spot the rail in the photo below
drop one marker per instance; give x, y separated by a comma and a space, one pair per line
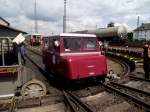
128, 96
75, 103
130, 88
139, 78
124, 65
12, 105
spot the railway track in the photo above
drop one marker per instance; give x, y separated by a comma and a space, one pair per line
135, 56
75, 104
139, 78
72, 100
113, 89
137, 97
124, 65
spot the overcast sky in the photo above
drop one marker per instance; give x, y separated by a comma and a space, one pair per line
81, 14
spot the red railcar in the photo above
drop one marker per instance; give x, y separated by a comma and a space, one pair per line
74, 56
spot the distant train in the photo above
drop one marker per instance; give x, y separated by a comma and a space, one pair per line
117, 31
109, 33
34, 39
74, 56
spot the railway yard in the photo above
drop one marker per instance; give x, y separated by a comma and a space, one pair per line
74, 56
125, 90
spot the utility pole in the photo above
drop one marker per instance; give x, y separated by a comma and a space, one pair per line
64, 17
138, 27
35, 17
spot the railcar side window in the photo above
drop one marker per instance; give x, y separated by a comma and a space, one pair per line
89, 43
72, 44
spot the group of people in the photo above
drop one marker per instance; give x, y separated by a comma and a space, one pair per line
146, 60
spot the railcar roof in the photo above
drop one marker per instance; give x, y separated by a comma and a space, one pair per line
77, 35
34, 34
72, 35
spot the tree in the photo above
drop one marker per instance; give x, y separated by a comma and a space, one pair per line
130, 36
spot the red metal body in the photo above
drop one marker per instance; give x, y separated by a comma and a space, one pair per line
74, 56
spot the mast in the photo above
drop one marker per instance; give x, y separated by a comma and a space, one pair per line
35, 18
138, 27
64, 17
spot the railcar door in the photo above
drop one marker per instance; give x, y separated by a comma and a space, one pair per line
56, 55
52, 55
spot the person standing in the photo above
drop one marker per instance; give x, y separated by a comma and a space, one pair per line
146, 60
22, 51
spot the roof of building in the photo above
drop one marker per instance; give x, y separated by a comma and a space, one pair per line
10, 28
5, 21
144, 26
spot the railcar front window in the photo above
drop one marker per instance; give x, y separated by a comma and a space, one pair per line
89, 43
72, 44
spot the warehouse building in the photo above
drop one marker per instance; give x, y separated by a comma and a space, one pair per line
142, 32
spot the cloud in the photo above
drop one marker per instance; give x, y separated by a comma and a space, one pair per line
81, 14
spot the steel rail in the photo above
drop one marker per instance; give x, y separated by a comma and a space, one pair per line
123, 64
130, 88
12, 105
127, 96
69, 102
71, 98
139, 78
126, 51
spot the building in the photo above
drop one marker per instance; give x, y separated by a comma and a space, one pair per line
142, 32
7, 31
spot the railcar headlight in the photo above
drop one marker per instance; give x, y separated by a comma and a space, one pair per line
70, 60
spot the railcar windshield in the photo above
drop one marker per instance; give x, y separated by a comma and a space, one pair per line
89, 43
75, 44
72, 44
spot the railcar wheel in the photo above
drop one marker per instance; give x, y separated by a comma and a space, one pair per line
103, 79
100, 79
46, 69
33, 88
